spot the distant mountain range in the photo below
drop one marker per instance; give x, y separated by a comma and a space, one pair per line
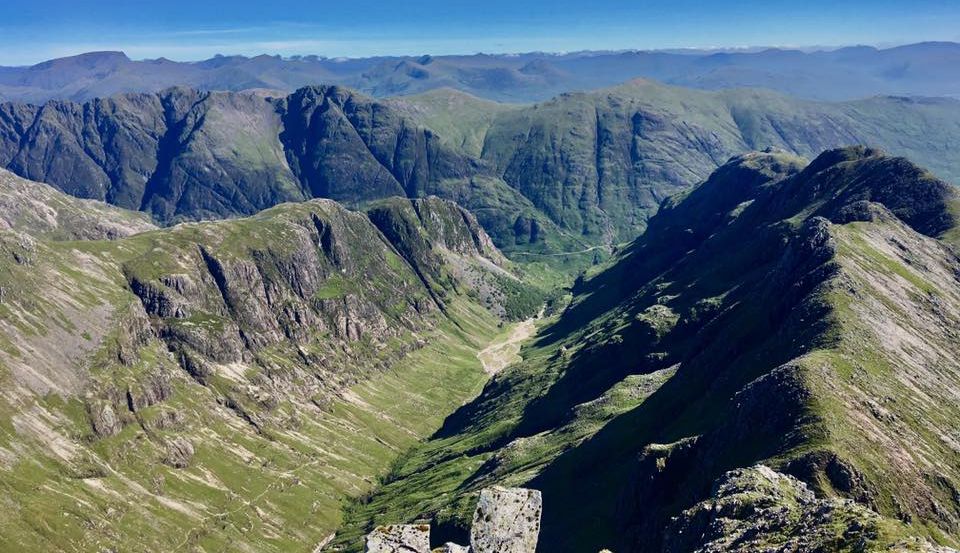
924, 69
578, 171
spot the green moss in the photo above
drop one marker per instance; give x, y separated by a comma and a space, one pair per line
333, 287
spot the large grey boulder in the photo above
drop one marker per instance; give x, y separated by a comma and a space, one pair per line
399, 538
507, 520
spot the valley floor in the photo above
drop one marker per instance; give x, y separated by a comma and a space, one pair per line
505, 351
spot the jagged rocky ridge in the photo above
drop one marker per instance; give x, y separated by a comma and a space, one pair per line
229, 382
580, 170
800, 315
183, 154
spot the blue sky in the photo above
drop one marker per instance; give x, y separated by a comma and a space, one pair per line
34, 30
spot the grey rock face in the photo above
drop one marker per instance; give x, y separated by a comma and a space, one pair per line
399, 538
179, 453
103, 418
755, 506
507, 520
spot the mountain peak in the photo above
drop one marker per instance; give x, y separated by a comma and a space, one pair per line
832, 157
88, 60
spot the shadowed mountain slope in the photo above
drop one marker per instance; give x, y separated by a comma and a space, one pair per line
797, 315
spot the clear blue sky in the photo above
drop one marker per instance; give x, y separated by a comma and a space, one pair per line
34, 30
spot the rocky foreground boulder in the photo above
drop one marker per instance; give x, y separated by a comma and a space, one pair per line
507, 520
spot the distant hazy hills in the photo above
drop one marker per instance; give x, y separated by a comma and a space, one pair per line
925, 69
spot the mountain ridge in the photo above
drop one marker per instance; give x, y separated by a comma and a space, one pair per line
230, 383
581, 170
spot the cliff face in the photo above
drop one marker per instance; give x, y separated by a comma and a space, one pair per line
182, 154
580, 170
796, 315
599, 163
253, 372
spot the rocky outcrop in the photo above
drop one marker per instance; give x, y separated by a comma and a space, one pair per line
179, 453
758, 508
399, 538
506, 520
103, 418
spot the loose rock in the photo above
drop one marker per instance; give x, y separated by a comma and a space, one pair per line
179, 453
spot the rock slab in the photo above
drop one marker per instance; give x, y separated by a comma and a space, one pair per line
399, 538
507, 520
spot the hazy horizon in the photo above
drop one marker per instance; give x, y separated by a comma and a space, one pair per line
179, 30
691, 51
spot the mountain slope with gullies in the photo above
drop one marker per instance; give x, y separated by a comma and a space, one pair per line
230, 384
580, 171
182, 154
599, 163
772, 365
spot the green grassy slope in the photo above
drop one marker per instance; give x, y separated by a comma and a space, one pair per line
461, 120
227, 386
598, 163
